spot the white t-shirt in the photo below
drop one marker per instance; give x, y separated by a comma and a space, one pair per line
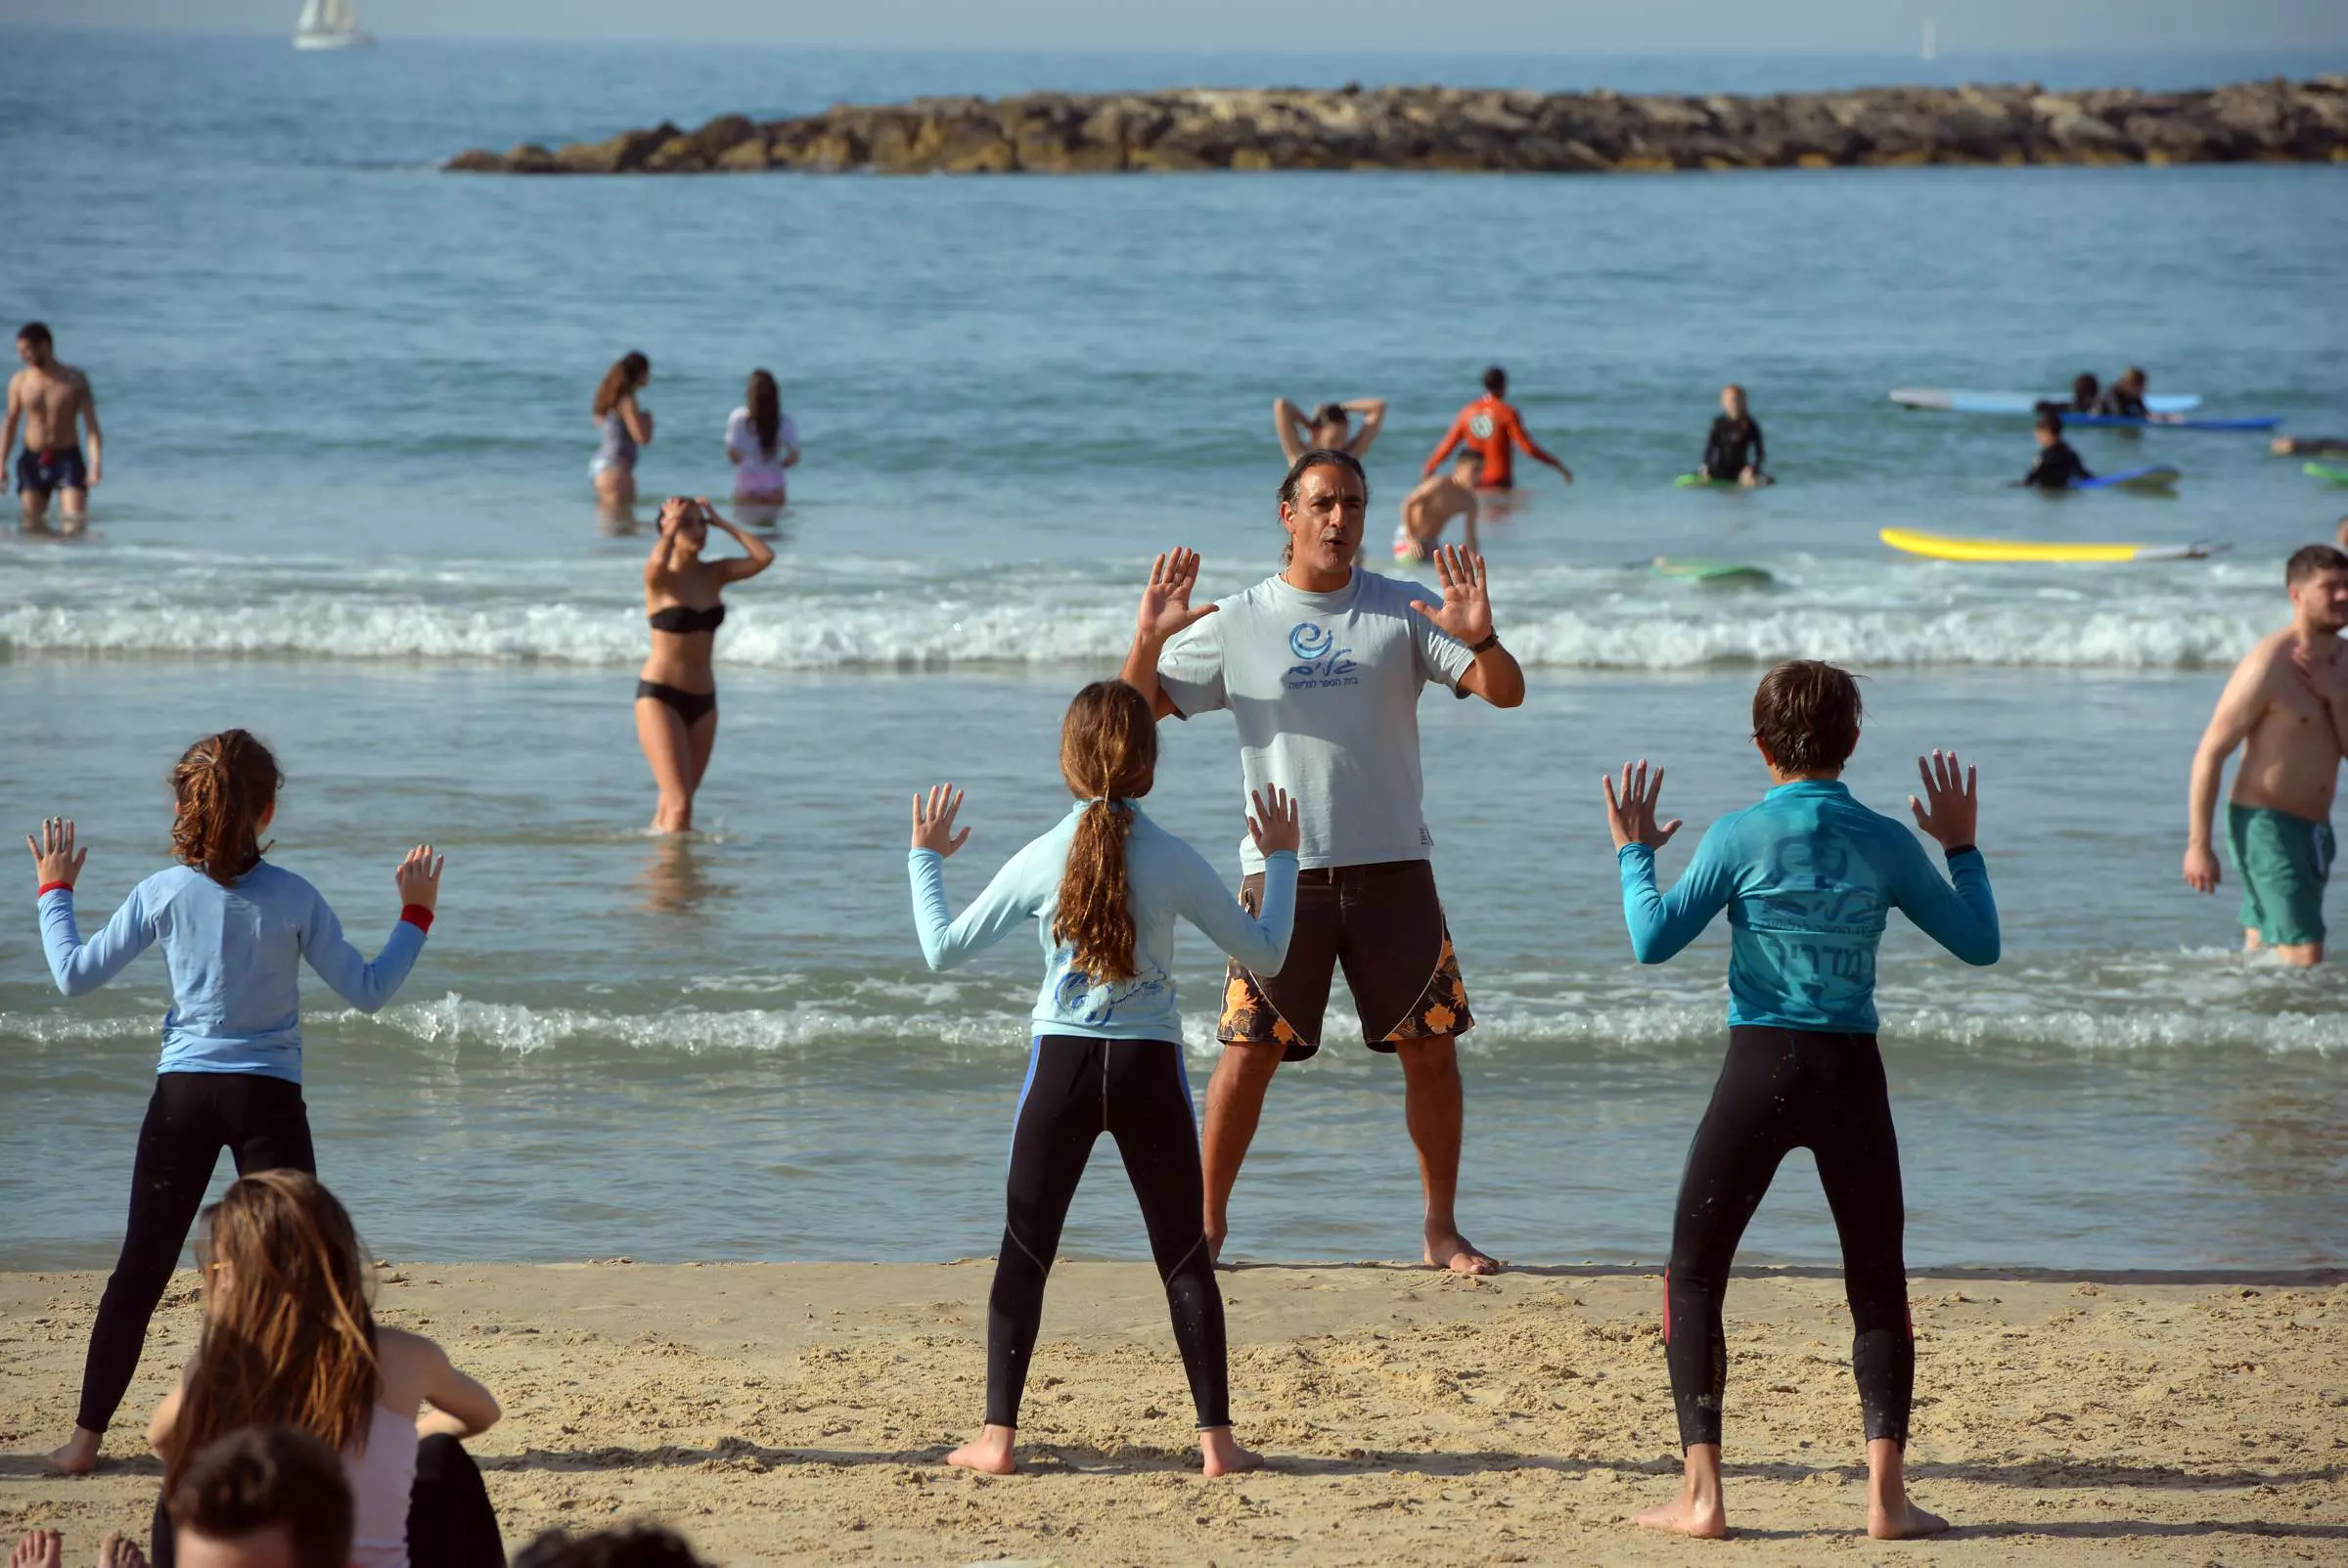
1325, 688
760, 471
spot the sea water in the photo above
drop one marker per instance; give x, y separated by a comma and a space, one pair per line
346, 505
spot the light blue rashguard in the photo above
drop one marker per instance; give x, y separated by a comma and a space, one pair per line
1166, 877
1808, 876
235, 956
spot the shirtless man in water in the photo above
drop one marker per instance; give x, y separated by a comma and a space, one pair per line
49, 396
1428, 510
2285, 707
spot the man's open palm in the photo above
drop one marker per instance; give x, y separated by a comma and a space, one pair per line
1466, 614
1165, 611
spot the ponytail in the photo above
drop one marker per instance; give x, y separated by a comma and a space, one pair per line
224, 783
1108, 755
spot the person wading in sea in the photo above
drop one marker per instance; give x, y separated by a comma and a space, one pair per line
1322, 666
49, 397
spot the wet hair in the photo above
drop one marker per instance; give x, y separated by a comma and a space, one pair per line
766, 411
262, 1479
1108, 755
34, 333
1495, 381
292, 1340
1320, 457
1806, 716
223, 784
2309, 560
627, 373
1330, 414
2085, 389
638, 1546
2134, 375
2049, 419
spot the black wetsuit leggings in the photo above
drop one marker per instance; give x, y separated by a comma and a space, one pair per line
192, 1117
1781, 1089
1134, 1089
451, 1523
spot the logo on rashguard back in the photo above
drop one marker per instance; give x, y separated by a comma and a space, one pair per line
1324, 663
1482, 427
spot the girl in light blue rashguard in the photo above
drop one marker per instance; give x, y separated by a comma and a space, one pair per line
1102, 890
235, 932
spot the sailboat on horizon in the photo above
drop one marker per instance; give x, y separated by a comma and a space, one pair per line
328, 24
1932, 44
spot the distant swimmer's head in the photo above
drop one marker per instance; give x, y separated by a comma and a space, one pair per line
2317, 579
1806, 716
35, 345
1108, 756
765, 403
1732, 401
1322, 504
2085, 389
1495, 381
1331, 425
626, 377
288, 1334
225, 786
2050, 425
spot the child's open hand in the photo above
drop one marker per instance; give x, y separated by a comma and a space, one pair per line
53, 857
419, 877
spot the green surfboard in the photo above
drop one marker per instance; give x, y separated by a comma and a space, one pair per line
1711, 573
1698, 481
2336, 473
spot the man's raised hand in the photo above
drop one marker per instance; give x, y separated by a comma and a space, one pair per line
1631, 815
1466, 614
1165, 611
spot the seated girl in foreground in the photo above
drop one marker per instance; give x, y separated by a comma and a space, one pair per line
1102, 889
289, 1339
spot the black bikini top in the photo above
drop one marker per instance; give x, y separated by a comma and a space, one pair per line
685, 618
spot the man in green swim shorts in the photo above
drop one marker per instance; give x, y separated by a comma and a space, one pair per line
2286, 707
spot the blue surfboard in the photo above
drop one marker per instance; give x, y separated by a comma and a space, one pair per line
2131, 479
1957, 401
2251, 421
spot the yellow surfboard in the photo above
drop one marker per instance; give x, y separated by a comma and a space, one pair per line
1943, 547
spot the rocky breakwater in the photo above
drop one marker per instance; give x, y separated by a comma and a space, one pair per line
1456, 128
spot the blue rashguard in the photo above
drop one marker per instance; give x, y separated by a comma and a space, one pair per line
235, 956
1166, 878
1809, 878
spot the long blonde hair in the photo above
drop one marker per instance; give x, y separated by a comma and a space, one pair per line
1108, 755
291, 1341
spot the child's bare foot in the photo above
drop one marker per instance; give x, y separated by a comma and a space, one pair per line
80, 1456
989, 1452
115, 1553
1688, 1515
1903, 1521
1222, 1454
1450, 1250
38, 1548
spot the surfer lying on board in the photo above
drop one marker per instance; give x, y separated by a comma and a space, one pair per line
2059, 467
1492, 429
1328, 426
2125, 397
1429, 508
1733, 451
2086, 393
2308, 446
2283, 706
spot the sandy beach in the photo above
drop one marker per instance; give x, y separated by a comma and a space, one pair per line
799, 1412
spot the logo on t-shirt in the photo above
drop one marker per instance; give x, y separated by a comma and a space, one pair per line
1324, 663
1482, 427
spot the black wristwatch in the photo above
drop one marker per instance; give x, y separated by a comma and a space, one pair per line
1491, 640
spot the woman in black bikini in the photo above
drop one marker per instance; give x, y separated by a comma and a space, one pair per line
676, 693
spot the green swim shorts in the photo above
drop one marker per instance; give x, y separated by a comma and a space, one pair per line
2283, 861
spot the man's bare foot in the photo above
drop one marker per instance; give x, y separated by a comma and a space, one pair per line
80, 1456
1223, 1455
115, 1553
1902, 1521
989, 1452
1454, 1251
38, 1548
1688, 1515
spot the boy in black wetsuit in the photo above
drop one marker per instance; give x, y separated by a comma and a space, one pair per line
1733, 451
2059, 467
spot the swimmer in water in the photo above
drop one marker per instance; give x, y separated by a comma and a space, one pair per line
1330, 426
761, 441
1809, 878
2124, 398
1492, 429
2059, 467
676, 690
622, 426
1733, 451
50, 398
1102, 890
2308, 446
2086, 393
1428, 509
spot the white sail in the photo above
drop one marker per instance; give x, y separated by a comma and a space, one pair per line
341, 15
1931, 45
328, 24
312, 16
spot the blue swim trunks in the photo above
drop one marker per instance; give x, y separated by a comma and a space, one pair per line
59, 467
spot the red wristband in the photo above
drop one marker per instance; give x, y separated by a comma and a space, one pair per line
48, 888
418, 916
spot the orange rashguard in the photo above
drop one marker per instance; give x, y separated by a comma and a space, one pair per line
1491, 429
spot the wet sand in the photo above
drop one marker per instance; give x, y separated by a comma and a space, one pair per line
800, 1411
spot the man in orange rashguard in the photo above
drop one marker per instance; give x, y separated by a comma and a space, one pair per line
1491, 429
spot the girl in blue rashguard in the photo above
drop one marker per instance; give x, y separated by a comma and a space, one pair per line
1808, 878
235, 931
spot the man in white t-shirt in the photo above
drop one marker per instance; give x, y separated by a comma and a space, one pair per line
1322, 667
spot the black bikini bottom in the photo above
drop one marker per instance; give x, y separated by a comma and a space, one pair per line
688, 705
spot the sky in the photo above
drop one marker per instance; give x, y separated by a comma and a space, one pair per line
1704, 28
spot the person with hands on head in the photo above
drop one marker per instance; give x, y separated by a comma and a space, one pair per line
2284, 706
235, 930
676, 690
1809, 878
1102, 890
1322, 666
1328, 426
